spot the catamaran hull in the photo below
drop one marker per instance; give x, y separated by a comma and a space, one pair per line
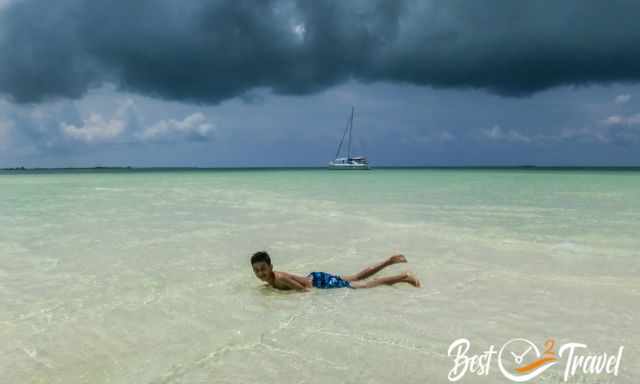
360, 167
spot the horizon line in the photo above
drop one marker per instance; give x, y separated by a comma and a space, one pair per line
142, 168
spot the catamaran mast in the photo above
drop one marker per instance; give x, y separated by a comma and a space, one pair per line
350, 129
342, 140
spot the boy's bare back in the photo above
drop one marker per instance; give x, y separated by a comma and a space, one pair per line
286, 281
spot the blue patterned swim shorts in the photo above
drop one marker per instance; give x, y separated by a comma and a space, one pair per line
326, 280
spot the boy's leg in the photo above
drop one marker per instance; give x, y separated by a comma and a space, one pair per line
389, 280
374, 268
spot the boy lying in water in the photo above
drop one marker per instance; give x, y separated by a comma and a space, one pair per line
261, 263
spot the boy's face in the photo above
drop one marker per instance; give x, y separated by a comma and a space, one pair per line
262, 270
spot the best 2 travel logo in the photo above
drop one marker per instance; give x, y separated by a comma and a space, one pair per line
520, 360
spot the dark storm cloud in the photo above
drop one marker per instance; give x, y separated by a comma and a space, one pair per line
209, 51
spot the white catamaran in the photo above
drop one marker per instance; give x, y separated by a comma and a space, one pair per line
349, 162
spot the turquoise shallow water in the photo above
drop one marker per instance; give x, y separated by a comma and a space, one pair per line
143, 277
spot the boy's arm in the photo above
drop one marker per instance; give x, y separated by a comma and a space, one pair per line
293, 284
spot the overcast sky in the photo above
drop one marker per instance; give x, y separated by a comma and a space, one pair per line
271, 83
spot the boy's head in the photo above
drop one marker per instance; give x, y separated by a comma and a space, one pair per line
261, 264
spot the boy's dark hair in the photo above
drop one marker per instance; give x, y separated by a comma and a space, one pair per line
260, 256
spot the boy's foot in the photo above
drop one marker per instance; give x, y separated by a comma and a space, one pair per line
397, 259
411, 279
